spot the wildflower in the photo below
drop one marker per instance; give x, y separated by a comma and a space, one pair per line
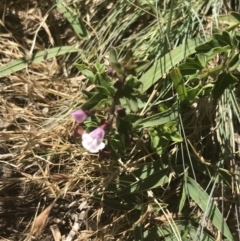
93, 141
79, 115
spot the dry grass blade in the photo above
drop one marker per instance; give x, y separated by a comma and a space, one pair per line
56, 233
40, 221
78, 220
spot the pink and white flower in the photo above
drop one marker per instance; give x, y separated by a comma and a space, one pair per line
93, 141
79, 115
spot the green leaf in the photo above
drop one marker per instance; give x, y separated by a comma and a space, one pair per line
124, 126
157, 119
86, 72
171, 132
202, 60
176, 137
208, 46
142, 173
133, 199
191, 66
193, 231
114, 204
132, 117
132, 104
141, 65
178, 83
224, 80
183, 199
88, 94
116, 145
138, 232
202, 199
233, 19
154, 180
113, 56
100, 68
165, 232
103, 80
132, 82
210, 171
192, 93
147, 182
155, 137
113, 61
102, 90
128, 57
167, 62
214, 51
105, 101
21, 63
94, 101
227, 37
159, 144
234, 62
89, 74
236, 15
223, 39
73, 18
156, 233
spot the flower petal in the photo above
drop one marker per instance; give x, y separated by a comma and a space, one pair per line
91, 144
86, 137
79, 115
94, 146
101, 145
98, 133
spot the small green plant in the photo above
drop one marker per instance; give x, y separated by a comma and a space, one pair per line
114, 104
214, 67
123, 116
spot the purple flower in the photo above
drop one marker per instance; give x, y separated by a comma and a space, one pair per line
79, 115
93, 141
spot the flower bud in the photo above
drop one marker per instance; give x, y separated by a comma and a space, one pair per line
79, 115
